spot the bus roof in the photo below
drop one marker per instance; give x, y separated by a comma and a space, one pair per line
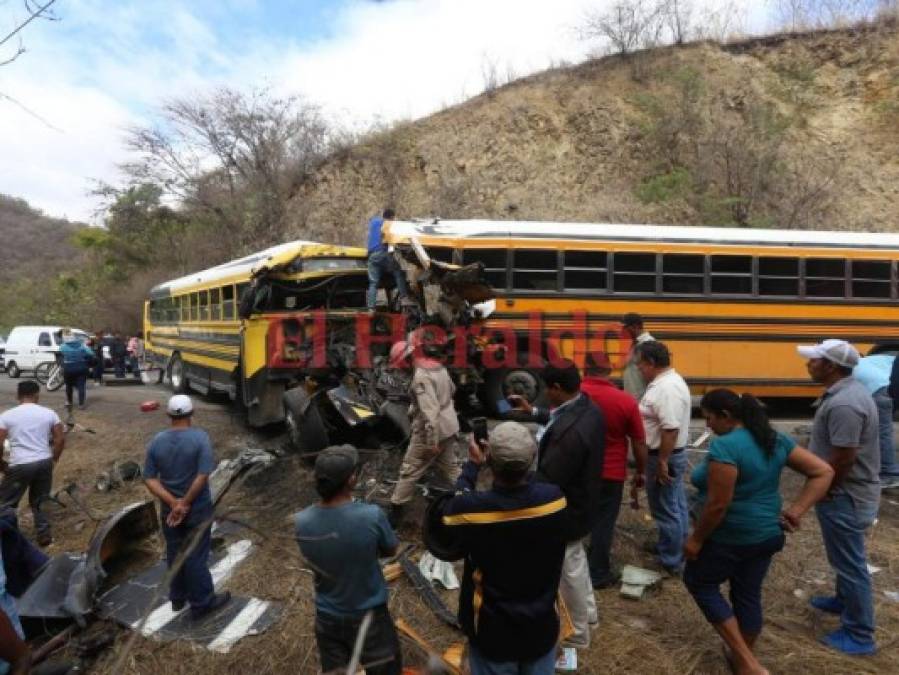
399, 231
243, 268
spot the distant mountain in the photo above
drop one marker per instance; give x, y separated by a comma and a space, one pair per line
33, 244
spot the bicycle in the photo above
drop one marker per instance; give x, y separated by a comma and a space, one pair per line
49, 373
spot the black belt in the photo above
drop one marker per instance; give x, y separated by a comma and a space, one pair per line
676, 451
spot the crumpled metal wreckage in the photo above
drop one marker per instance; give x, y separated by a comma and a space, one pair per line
71, 586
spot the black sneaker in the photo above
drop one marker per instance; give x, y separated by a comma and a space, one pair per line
177, 605
218, 601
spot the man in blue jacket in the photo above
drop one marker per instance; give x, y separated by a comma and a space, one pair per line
380, 262
77, 359
507, 604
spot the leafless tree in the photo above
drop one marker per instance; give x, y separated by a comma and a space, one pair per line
677, 16
237, 157
627, 25
808, 14
720, 22
33, 10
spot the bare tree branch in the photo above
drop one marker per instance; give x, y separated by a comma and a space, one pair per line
33, 13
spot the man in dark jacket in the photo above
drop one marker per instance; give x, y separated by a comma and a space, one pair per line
571, 455
506, 608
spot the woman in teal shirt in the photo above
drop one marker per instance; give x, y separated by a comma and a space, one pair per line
742, 522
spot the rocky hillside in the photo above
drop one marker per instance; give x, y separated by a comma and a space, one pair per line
34, 245
784, 131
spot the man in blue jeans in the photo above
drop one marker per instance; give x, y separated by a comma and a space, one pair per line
178, 463
380, 261
845, 434
665, 408
874, 372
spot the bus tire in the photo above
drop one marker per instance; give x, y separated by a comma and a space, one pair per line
520, 380
306, 430
12, 370
178, 375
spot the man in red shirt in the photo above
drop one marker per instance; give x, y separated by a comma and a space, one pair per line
623, 426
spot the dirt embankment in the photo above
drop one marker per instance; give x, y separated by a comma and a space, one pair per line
575, 143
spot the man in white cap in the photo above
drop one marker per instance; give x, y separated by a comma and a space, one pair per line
845, 434
177, 467
507, 604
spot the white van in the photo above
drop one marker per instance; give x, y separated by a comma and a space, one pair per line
29, 346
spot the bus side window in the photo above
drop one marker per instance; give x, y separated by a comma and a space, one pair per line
535, 270
585, 270
825, 277
779, 276
215, 304
495, 263
683, 274
634, 272
185, 307
730, 275
441, 253
174, 309
194, 306
872, 279
228, 302
204, 305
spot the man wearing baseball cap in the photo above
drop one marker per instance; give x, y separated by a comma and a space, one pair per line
845, 434
514, 543
342, 541
177, 467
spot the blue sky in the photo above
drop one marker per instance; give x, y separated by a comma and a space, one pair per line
106, 65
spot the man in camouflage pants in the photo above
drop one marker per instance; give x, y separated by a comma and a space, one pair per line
434, 421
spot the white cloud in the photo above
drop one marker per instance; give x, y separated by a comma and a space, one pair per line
107, 65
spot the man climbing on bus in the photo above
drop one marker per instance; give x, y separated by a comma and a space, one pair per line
380, 262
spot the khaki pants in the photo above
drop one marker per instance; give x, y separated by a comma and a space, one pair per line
418, 459
577, 592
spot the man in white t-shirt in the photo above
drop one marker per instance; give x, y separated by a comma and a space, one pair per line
665, 409
36, 440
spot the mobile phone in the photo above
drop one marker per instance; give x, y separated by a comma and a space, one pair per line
503, 406
479, 428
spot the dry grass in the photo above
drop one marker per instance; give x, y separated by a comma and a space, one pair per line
664, 633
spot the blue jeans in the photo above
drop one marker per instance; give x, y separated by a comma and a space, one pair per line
193, 582
744, 568
76, 382
843, 524
480, 665
379, 264
888, 466
668, 505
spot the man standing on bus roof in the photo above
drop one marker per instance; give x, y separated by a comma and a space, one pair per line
380, 261
665, 409
845, 434
632, 326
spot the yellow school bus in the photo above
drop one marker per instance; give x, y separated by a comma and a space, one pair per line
234, 328
730, 303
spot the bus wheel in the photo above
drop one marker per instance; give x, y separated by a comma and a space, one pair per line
177, 375
306, 430
524, 382
12, 370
